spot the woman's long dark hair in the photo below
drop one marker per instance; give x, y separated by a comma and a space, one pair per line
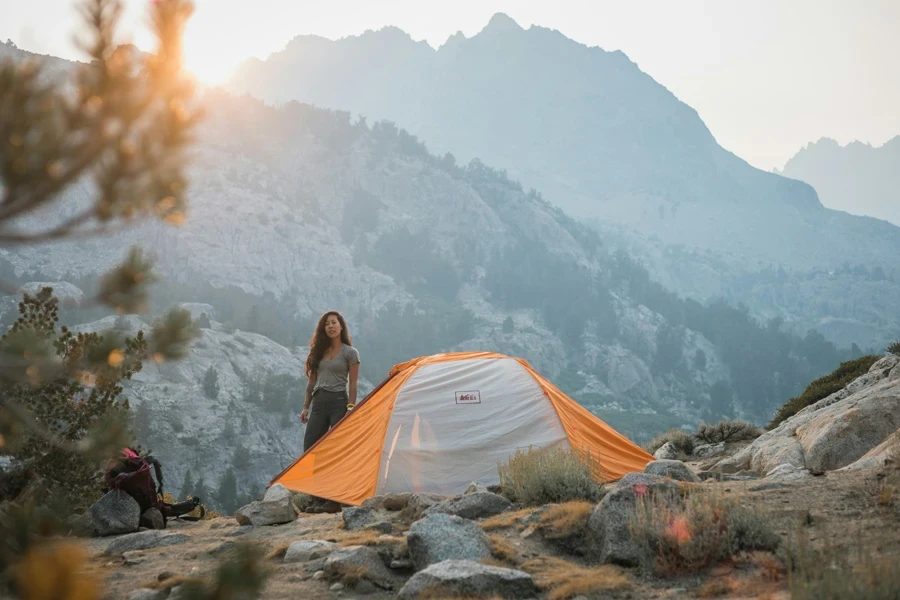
320, 342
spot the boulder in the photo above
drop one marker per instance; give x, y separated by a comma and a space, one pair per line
877, 456
417, 504
709, 450
242, 530
475, 486
357, 517
468, 579
115, 513
277, 492
609, 538
395, 502
147, 594
667, 451
308, 550
787, 472
673, 469
439, 537
359, 559
274, 512
152, 519
831, 433
476, 505
143, 540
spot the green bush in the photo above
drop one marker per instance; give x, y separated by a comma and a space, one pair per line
824, 387
680, 438
549, 475
894, 348
727, 431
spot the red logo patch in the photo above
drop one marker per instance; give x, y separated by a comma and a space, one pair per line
472, 397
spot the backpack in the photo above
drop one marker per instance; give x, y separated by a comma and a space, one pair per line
130, 473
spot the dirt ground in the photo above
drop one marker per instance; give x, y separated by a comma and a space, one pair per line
841, 511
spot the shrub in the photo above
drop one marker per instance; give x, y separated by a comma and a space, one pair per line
824, 387
727, 431
834, 573
680, 438
894, 348
706, 529
550, 475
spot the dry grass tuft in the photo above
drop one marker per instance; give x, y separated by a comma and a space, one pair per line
716, 587
836, 572
502, 550
565, 520
278, 552
703, 530
563, 580
504, 520
349, 575
727, 431
550, 475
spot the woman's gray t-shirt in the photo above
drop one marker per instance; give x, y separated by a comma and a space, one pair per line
334, 375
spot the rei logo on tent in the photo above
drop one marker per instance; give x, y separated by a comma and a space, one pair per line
468, 397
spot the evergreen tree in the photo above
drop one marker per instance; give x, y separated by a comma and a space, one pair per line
227, 496
203, 321
241, 459
187, 486
201, 492
245, 425
211, 383
228, 432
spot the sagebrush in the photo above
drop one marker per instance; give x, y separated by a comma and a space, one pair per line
727, 431
679, 438
550, 475
686, 536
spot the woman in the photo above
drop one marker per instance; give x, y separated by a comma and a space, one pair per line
333, 370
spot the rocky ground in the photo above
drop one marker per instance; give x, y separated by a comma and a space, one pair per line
816, 499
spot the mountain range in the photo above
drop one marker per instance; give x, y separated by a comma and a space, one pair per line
613, 148
857, 178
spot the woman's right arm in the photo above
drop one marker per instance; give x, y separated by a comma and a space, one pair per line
309, 390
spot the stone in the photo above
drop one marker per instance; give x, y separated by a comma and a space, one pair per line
365, 587
673, 469
261, 513
336, 587
144, 540
466, 578
608, 536
318, 575
770, 485
146, 594
354, 557
277, 492
115, 513
357, 517
438, 537
787, 472
132, 555
242, 530
395, 502
382, 527
475, 486
223, 547
307, 550
153, 519
709, 450
417, 504
401, 564
667, 451
477, 505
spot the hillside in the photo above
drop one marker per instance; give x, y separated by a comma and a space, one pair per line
856, 178
604, 141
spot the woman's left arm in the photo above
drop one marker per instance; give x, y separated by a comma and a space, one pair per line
354, 376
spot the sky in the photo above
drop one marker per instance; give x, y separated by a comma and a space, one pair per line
766, 76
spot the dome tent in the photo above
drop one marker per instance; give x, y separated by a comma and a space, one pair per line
439, 422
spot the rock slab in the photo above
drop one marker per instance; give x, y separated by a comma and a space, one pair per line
466, 578
359, 558
144, 540
477, 505
307, 550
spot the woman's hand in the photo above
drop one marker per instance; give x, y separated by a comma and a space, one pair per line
304, 416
